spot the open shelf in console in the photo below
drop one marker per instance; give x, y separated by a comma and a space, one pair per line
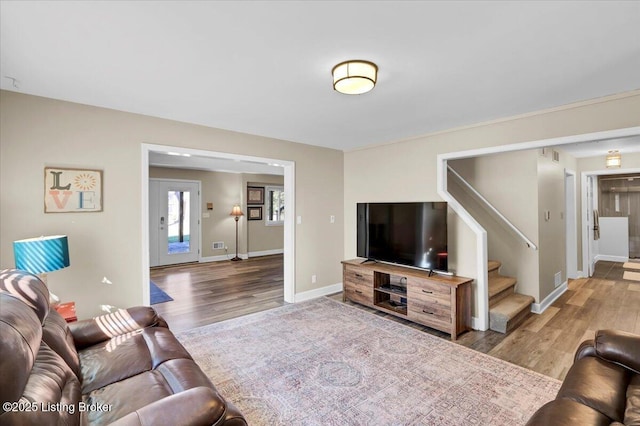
390, 292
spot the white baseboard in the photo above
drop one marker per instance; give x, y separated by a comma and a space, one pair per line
221, 258
608, 258
266, 252
318, 292
538, 308
241, 255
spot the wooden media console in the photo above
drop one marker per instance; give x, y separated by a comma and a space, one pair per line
437, 301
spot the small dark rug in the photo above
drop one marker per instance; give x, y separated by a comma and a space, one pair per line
158, 295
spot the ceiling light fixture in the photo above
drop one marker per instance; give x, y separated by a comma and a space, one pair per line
614, 159
354, 77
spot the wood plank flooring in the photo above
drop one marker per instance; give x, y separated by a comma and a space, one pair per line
205, 293
546, 343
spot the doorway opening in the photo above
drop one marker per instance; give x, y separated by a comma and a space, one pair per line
288, 168
612, 211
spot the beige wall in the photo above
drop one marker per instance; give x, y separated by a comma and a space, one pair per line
551, 231
37, 132
406, 171
509, 182
259, 236
224, 190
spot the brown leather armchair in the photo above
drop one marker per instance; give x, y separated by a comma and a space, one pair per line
124, 368
602, 387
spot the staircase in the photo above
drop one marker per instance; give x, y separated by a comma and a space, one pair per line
507, 309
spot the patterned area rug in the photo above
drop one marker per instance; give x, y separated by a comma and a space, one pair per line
322, 362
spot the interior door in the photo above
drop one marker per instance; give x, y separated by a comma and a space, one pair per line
592, 202
174, 225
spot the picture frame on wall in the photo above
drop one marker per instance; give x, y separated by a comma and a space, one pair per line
254, 213
255, 195
72, 190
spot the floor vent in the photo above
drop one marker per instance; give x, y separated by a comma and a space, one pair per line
557, 279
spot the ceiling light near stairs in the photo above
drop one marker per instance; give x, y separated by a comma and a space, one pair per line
614, 160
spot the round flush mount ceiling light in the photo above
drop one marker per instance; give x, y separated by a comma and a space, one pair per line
354, 77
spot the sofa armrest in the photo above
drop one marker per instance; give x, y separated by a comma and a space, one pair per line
194, 407
92, 331
586, 348
619, 347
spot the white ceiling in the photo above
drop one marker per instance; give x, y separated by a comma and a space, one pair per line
264, 67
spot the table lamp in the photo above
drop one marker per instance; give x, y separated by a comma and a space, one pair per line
41, 255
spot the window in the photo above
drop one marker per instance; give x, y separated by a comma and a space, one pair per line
275, 205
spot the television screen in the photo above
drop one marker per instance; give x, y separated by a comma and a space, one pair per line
412, 234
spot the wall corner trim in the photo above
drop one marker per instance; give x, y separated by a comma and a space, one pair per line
476, 323
538, 308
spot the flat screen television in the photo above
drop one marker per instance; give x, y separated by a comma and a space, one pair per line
411, 234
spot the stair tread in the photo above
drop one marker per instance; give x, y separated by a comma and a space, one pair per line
500, 283
494, 264
512, 305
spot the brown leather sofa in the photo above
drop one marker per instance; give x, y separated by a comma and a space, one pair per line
124, 368
602, 387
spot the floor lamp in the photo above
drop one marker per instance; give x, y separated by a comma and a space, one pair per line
42, 255
236, 212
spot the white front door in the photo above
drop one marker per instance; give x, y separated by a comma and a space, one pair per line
174, 225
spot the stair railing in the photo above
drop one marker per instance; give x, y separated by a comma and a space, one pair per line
495, 211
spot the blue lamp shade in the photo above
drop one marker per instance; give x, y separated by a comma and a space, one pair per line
43, 254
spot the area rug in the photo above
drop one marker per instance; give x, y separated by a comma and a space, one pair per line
157, 295
323, 362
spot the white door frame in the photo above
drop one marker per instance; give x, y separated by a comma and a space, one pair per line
571, 223
587, 235
198, 210
481, 321
289, 221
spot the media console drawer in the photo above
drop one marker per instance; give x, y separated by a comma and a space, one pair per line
359, 293
430, 312
358, 275
440, 302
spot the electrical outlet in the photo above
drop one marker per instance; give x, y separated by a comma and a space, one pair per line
313, 279
218, 245
332, 219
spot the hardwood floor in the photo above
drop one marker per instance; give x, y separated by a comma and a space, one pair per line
211, 292
205, 293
